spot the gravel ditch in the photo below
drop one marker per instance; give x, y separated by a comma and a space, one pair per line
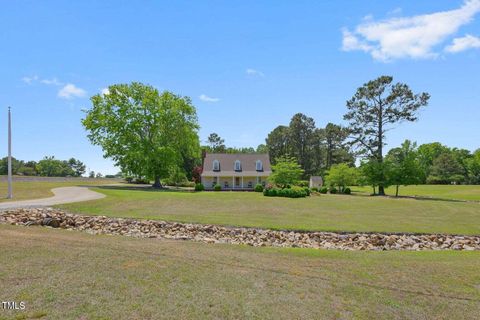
55, 218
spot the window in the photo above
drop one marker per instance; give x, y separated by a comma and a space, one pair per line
216, 165
238, 166
259, 165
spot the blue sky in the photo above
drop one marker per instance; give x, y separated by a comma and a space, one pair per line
247, 65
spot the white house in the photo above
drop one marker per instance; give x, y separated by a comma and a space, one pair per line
238, 171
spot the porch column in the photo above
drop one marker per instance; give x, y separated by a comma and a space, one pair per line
242, 182
233, 182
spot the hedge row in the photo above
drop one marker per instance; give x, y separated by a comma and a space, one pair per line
293, 192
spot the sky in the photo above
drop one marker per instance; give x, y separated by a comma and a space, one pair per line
248, 65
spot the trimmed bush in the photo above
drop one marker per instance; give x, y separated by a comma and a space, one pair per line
186, 184
347, 191
314, 189
292, 192
129, 179
307, 190
199, 187
258, 187
217, 187
324, 190
333, 190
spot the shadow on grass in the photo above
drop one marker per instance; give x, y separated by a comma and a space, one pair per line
147, 188
421, 198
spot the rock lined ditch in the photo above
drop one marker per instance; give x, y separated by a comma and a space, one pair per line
249, 236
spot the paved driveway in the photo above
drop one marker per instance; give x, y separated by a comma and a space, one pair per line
61, 195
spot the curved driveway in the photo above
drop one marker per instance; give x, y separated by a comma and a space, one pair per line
61, 195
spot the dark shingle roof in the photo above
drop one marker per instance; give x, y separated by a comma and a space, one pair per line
227, 163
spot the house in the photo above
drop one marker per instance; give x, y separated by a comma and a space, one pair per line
238, 171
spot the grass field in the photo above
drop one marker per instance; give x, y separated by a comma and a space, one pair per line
40, 187
73, 275
325, 212
459, 192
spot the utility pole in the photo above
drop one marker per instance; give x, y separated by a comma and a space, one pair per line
10, 194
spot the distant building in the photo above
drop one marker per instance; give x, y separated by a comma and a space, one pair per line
238, 171
316, 182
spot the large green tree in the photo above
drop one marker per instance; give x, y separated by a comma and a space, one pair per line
278, 143
341, 175
336, 148
146, 132
51, 167
403, 166
427, 153
286, 171
445, 170
78, 167
216, 143
302, 136
375, 107
474, 167
16, 165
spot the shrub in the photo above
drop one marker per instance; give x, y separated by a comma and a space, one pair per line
188, 184
258, 187
307, 190
324, 190
199, 187
303, 183
292, 192
314, 189
347, 191
333, 190
129, 179
217, 187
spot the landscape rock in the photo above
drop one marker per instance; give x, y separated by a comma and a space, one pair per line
248, 236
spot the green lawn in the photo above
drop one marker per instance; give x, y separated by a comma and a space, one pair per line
41, 187
325, 212
73, 275
460, 192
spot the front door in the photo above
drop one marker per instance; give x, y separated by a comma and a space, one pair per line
237, 181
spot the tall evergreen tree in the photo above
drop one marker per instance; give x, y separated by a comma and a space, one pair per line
375, 107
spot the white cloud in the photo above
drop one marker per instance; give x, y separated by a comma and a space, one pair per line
253, 72
29, 80
53, 81
206, 98
70, 91
463, 43
105, 91
408, 37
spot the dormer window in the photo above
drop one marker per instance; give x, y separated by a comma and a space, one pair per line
259, 165
238, 166
216, 165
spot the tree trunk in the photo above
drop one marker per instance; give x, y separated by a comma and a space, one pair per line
381, 190
373, 190
396, 192
157, 184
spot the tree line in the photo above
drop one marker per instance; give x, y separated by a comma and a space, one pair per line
154, 135
48, 167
